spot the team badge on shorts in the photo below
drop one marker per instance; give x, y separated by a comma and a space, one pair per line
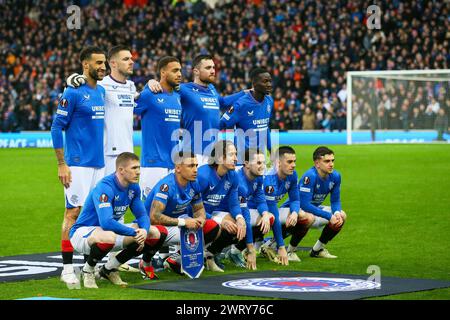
301, 284
103, 198
164, 188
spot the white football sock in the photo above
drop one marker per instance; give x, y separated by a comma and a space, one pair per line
291, 249
319, 245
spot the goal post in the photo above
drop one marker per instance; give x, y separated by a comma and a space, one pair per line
385, 103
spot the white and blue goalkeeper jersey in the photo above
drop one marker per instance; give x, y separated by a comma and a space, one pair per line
107, 203
81, 114
160, 123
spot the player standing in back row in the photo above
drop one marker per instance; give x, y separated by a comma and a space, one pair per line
250, 115
119, 104
81, 164
160, 119
201, 106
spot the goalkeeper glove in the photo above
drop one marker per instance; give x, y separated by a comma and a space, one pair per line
75, 80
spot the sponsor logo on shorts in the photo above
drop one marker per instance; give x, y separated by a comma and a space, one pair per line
301, 284
74, 199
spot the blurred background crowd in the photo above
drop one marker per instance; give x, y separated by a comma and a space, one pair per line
308, 46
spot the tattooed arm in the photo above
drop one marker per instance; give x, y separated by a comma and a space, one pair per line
157, 217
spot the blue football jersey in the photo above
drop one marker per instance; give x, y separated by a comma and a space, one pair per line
201, 113
275, 189
177, 199
81, 114
250, 190
314, 190
107, 203
251, 119
219, 193
160, 122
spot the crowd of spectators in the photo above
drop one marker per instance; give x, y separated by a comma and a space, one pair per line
307, 46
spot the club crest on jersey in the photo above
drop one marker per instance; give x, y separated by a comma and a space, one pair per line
268, 108
227, 185
191, 240
270, 189
302, 284
64, 103
255, 185
103, 198
287, 185
130, 194
306, 180
191, 193
164, 187
331, 185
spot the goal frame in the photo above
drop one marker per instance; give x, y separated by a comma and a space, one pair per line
386, 74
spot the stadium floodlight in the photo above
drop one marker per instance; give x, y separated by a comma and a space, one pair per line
396, 102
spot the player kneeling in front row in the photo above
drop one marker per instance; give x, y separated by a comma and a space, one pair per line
278, 182
176, 201
98, 229
253, 204
219, 184
314, 187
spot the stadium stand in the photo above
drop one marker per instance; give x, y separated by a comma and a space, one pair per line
307, 45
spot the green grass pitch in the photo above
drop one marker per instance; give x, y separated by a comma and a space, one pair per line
396, 197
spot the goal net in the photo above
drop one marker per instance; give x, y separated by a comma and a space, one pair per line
398, 106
